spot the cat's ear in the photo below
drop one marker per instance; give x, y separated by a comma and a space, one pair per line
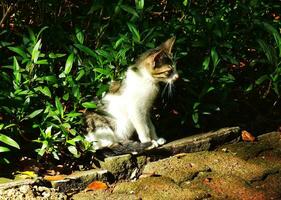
154, 55
168, 45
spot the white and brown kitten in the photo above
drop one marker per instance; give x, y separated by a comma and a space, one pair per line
125, 109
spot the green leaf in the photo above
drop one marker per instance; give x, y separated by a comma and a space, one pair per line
9, 141
42, 62
206, 63
65, 96
31, 35
185, 2
4, 149
268, 51
73, 114
129, 9
261, 79
59, 107
139, 4
55, 155
57, 55
104, 54
79, 35
35, 113
275, 34
76, 91
86, 50
16, 69
48, 132
195, 105
215, 57
44, 90
73, 150
195, 117
135, 32
106, 72
102, 88
41, 31
19, 51
249, 88
69, 63
118, 42
74, 140
80, 73
9, 126
35, 51
89, 105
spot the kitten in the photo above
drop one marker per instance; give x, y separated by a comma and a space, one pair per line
125, 109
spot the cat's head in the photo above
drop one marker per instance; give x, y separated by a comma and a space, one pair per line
159, 62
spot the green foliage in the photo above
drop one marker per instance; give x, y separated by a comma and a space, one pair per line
57, 56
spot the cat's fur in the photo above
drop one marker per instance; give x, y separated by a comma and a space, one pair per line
125, 109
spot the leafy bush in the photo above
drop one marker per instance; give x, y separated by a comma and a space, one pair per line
58, 56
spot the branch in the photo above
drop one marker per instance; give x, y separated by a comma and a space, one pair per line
5, 15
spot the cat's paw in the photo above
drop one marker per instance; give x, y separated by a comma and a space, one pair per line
153, 145
156, 143
161, 141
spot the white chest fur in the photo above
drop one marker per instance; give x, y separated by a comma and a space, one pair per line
131, 107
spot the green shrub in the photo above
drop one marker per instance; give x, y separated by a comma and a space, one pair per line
58, 56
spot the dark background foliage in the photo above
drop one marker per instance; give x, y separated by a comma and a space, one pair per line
57, 57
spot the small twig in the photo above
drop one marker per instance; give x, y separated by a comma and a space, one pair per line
5, 15
268, 89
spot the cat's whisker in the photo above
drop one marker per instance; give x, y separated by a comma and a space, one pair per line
164, 89
170, 91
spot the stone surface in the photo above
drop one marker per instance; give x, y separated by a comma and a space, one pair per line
30, 192
199, 142
124, 166
12, 184
246, 171
79, 180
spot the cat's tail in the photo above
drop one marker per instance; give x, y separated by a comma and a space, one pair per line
128, 147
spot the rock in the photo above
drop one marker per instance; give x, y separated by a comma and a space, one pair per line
244, 170
200, 142
79, 180
122, 167
179, 169
13, 184
152, 188
24, 189
101, 195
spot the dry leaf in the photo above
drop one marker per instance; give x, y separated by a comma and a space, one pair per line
247, 137
97, 185
29, 173
54, 178
26, 174
207, 180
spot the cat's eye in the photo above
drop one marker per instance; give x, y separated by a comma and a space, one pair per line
168, 73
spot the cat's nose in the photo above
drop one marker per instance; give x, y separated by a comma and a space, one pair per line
175, 77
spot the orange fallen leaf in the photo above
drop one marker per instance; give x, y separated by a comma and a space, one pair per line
54, 178
207, 180
247, 137
97, 185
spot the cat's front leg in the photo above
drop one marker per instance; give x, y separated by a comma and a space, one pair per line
144, 127
156, 140
140, 123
